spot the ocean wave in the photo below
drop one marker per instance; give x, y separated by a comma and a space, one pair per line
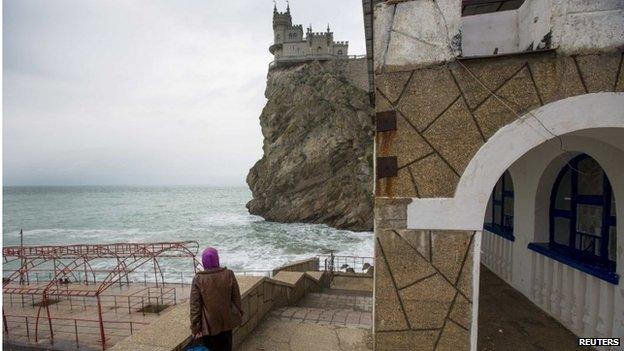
222, 219
212, 217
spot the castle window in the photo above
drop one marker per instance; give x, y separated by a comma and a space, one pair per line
339, 52
502, 202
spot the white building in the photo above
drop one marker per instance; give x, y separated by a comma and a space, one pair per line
500, 140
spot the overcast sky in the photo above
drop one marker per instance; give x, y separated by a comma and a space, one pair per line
143, 92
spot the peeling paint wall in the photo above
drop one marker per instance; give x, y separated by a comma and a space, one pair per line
587, 25
490, 34
399, 43
496, 33
420, 33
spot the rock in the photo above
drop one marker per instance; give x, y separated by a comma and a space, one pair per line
318, 149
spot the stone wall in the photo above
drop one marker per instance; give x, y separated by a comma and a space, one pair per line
256, 301
357, 73
423, 283
441, 126
310, 264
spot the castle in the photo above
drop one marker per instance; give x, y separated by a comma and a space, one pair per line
290, 45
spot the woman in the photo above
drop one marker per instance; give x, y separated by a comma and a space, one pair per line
215, 303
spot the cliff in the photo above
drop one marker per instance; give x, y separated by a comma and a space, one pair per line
318, 147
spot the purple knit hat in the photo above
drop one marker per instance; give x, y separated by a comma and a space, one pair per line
210, 258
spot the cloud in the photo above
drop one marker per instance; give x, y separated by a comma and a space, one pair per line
143, 92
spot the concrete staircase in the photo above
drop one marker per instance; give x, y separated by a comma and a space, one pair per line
331, 307
331, 319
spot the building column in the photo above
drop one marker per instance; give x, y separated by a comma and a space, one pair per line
423, 283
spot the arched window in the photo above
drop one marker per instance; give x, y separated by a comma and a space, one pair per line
582, 212
582, 220
502, 208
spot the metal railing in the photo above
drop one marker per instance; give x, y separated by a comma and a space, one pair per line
333, 263
82, 331
312, 57
171, 278
133, 302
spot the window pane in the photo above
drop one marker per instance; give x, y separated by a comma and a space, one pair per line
588, 219
588, 244
563, 198
497, 215
509, 212
562, 231
508, 182
498, 194
612, 205
589, 177
612, 243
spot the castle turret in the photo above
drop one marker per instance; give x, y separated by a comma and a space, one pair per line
281, 19
282, 23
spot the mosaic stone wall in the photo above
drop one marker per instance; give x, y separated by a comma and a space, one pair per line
423, 296
445, 113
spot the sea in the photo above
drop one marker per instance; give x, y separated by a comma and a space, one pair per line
211, 216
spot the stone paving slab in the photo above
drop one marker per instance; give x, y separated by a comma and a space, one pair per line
330, 300
275, 334
332, 320
341, 317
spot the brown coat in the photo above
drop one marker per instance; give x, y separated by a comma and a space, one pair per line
215, 302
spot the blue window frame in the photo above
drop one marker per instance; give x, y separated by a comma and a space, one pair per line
582, 222
502, 202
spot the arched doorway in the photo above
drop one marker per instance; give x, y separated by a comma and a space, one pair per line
551, 272
533, 149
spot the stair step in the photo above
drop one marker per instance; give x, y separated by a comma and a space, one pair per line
333, 316
338, 301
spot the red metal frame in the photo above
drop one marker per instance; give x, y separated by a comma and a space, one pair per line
67, 259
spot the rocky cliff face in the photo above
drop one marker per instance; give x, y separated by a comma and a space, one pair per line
318, 148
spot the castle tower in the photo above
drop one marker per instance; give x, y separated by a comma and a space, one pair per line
282, 22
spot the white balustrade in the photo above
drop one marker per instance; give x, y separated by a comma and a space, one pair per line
581, 302
497, 254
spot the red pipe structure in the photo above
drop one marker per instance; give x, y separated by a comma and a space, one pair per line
67, 259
